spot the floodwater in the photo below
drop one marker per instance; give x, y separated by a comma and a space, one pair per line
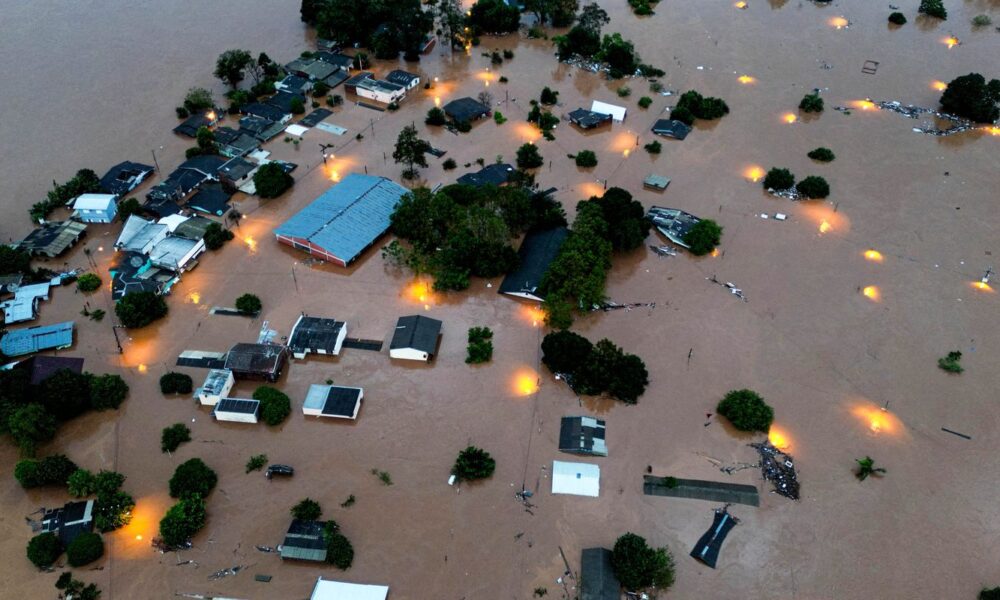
88, 85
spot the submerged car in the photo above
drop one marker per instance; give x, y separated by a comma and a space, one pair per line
283, 470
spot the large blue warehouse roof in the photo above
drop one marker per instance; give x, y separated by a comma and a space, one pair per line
34, 339
348, 217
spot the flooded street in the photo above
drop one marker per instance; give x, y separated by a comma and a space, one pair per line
93, 84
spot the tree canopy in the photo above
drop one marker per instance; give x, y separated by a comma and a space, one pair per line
410, 150
176, 383
746, 410
970, 96
703, 237
192, 476
85, 549
231, 66
51, 470
528, 157
778, 179
248, 304
138, 309
183, 520
387, 27
639, 566
493, 16
813, 187
271, 180
173, 436
473, 463
14, 261
274, 405
84, 182
594, 369
44, 549
811, 103
700, 107
307, 510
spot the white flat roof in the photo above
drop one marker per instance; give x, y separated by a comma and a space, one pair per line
578, 479
617, 112
93, 201
296, 130
172, 221
338, 590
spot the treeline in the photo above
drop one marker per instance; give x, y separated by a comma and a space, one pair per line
585, 40
387, 27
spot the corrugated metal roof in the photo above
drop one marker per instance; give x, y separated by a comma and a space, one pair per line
33, 339
348, 217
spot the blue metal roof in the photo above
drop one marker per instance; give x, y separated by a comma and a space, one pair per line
33, 339
348, 217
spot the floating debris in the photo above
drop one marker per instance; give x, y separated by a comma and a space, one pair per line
664, 250
914, 112
265, 548
610, 306
226, 572
777, 467
790, 193
731, 287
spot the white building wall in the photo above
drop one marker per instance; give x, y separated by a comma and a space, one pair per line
409, 354
234, 417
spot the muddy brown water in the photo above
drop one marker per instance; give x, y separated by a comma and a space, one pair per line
90, 85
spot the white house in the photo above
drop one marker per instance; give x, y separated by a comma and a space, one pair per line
140, 235
366, 86
315, 334
176, 253
617, 112
237, 410
217, 386
338, 590
95, 208
415, 338
333, 401
577, 479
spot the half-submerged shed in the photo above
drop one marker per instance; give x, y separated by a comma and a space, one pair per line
582, 435
577, 479
256, 361
237, 410
672, 223
537, 251
304, 541
415, 338
597, 577
656, 182
338, 590
315, 334
588, 119
671, 128
335, 401
708, 546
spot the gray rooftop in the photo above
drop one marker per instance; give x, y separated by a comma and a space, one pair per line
417, 332
314, 333
215, 381
672, 222
241, 406
333, 400
33, 339
597, 577
583, 435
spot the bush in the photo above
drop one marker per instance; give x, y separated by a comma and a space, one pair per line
811, 103
813, 187
85, 549
448, 164
508, 54
339, 551
127, 208
645, 102
320, 89
778, 179
549, 96
624, 91
192, 476
297, 105
990, 594
88, 282
198, 99
933, 8
480, 347
76, 589
981, 21
44, 549
113, 510
821, 154
971, 97
746, 410
256, 462
463, 126
897, 18
138, 309
182, 113
653, 147
307, 510
274, 405
183, 520
176, 383
14, 260
528, 157
951, 363
498, 117
703, 237
271, 180
51, 470
216, 236
707, 108
638, 566
173, 436
473, 463
586, 159
595, 369
107, 391
670, 483
248, 304
435, 116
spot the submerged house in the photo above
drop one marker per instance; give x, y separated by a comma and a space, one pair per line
672, 223
40, 367
345, 220
237, 410
315, 334
588, 119
365, 85
211, 198
69, 521
95, 208
497, 174
140, 235
402, 78
671, 128
466, 109
133, 273
24, 305
335, 401
163, 198
237, 172
617, 112
266, 111
256, 361
577, 479
233, 143
597, 576
217, 386
582, 435
176, 253
537, 251
338, 590
193, 123
18, 342
304, 540
415, 338
53, 238
125, 177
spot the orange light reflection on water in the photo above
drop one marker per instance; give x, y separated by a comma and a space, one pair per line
877, 420
983, 286
746, 80
950, 41
872, 293
789, 118
133, 540
754, 173
862, 104
421, 291
531, 314
839, 22
525, 382
939, 85
873, 255
779, 438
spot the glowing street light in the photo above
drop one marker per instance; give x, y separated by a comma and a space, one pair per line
873, 255
939, 85
839, 22
790, 118
746, 79
951, 41
872, 293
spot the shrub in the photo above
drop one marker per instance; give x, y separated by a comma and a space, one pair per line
498, 117
30, 424
274, 405
172, 437
951, 363
448, 164
349, 502
682, 114
933, 8
198, 99
703, 237
463, 126
813, 187
107, 391
51, 470
307, 510
320, 89
271, 180
183, 520
44, 549
216, 236
990, 594
821, 154
638, 566
624, 91
970, 96
897, 18
528, 157
565, 351
339, 551
503, 79
707, 108
645, 101
811, 103
473, 463
981, 21
192, 476
256, 462
248, 304
182, 113
480, 347
76, 589
746, 410
435, 116
653, 147
586, 159
670, 482
88, 282
138, 309
508, 54
297, 105
383, 476
778, 179
176, 383
85, 549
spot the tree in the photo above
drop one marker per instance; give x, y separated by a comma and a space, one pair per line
274, 405
703, 237
30, 424
694, 104
897, 18
107, 391
485, 98
592, 18
866, 468
625, 218
173, 436
44, 549
821, 154
951, 362
183, 520
410, 150
192, 476
230, 66
746, 410
206, 141
216, 236
198, 99
549, 96
565, 351
85, 181
933, 8
297, 105
309, 10
271, 180
452, 19
88, 282
248, 304
990, 594
473, 463
307, 510
811, 103
971, 97
654, 147
75, 589
813, 187
138, 309
585, 159
14, 261
81, 483
65, 394
629, 379
620, 55
778, 179
85, 549
435, 116
339, 551
480, 347
107, 482
113, 510
638, 566
51, 470
493, 16
127, 208
528, 157
579, 41
645, 102
176, 383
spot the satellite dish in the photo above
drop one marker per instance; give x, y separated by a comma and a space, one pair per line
136, 261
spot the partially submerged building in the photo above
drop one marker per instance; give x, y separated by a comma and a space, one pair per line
671, 128
672, 223
338, 590
132, 272
163, 198
710, 543
304, 541
577, 479
176, 253
365, 85
53, 238
237, 410
218, 383
233, 143
588, 119
345, 221
318, 335
95, 208
617, 112
583, 435
466, 110
406, 80
69, 521
335, 401
497, 174
125, 177
597, 576
24, 305
41, 366
140, 235
18, 342
656, 183
193, 123
256, 361
415, 338
537, 251
211, 198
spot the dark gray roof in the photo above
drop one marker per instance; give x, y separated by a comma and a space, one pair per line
211, 198
359, 77
417, 332
224, 135
42, 367
264, 360
254, 125
264, 111
315, 333
466, 109
53, 238
340, 401
495, 174
192, 124
236, 169
238, 405
304, 541
537, 251
400, 77
597, 577
126, 276
313, 118
336, 78
708, 546
283, 101
206, 164
338, 60
671, 128
294, 83
588, 118
193, 228
583, 435
124, 177
672, 222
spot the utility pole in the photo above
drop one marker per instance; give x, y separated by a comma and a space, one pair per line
156, 164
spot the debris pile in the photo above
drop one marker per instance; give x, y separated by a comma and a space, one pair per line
664, 250
777, 467
914, 112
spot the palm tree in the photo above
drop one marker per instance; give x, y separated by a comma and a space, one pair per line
866, 467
